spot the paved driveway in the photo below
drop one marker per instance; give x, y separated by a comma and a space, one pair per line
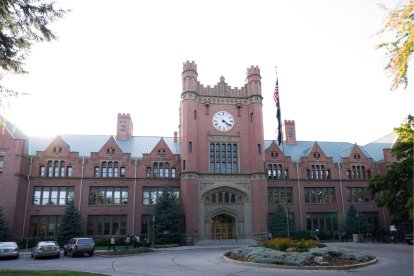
393, 259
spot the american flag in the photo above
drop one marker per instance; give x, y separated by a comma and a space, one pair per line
278, 116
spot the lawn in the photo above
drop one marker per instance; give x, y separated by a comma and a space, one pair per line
46, 272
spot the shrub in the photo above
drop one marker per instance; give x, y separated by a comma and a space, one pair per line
287, 245
270, 256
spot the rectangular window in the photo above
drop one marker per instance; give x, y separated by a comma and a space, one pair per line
371, 219
123, 172
173, 172
97, 172
259, 148
278, 196
52, 196
320, 195
69, 171
251, 117
146, 225
42, 172
223, 158
106, 225
150, 194
190, 146
359, 195
108, 196
323, 221
44, 227
148, 172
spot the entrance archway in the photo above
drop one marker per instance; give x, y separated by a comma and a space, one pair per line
223, 227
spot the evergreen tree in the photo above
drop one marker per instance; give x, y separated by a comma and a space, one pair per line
278, 223
168, 224
22, 23
354, 222
70, 225
4, 230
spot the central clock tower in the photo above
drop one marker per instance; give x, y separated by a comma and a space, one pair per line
223, 182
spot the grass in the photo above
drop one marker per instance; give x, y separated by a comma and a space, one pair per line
8, 272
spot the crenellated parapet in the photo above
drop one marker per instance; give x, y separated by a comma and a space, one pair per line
221, 89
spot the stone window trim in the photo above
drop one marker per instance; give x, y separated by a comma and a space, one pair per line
223, 196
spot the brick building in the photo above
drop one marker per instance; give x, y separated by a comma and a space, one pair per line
228, 177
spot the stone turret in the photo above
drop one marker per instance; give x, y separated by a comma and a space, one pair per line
189, 76
290, 132
253, 81
125, 127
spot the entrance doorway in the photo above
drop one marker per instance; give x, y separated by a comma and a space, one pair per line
222, 227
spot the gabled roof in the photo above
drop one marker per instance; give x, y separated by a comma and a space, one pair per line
85, 144
338, 150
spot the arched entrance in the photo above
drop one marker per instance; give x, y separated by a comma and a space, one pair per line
223, 227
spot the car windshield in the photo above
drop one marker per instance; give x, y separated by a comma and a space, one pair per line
7, 244
85, 241
47, 243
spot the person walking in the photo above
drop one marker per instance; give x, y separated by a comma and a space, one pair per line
127, 241
111, 243
317, 235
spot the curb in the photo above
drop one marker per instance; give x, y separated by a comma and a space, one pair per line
325, 267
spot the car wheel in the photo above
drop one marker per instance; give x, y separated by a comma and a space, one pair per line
58, 256
90, 254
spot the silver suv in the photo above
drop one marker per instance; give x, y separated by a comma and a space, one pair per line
79, 246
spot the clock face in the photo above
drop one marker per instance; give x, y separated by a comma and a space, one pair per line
223, 121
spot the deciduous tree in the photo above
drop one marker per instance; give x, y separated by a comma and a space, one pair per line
395, 189
400, 23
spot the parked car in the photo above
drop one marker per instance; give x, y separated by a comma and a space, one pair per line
46, 249
9, 250
79, 246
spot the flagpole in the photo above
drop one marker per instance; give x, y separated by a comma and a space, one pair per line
284, 159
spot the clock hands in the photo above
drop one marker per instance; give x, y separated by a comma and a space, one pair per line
224, 121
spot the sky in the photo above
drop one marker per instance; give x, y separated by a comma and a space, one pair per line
127, 56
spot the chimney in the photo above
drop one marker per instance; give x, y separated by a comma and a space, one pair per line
125, 127
290, 132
